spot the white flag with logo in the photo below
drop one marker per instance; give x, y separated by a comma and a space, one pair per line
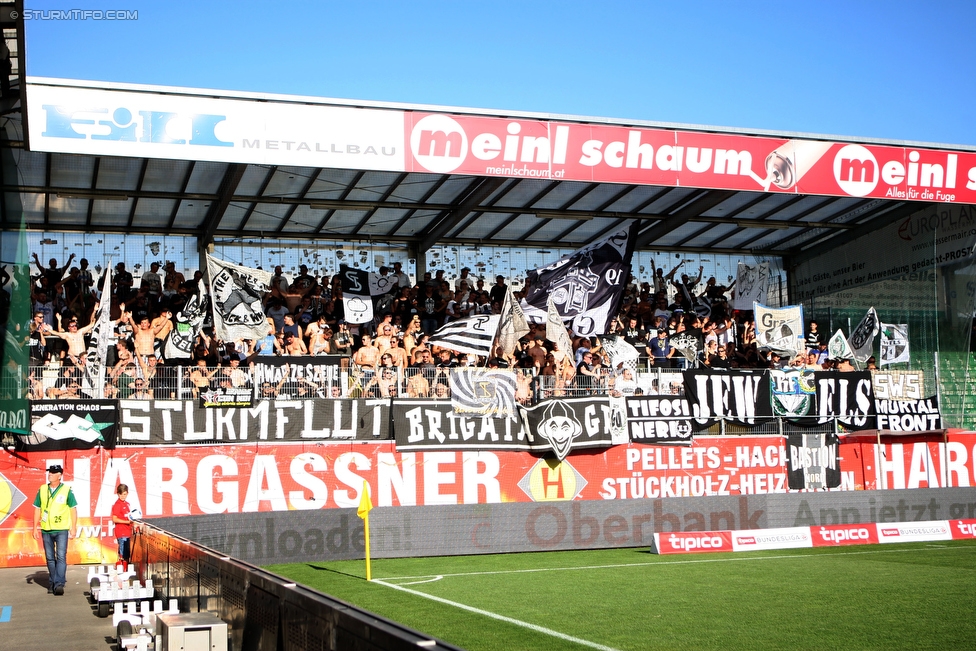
513, 325
473, 335
862, 339
751, 285
894, 343
556, 331
779, 329
236, 293
838, 348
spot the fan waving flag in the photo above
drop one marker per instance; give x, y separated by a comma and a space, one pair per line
189, 320
473, 335
586, 286
838, 348
236, 294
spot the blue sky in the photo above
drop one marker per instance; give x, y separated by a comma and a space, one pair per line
893, 70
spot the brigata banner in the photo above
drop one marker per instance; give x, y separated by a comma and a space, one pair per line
167, 422
178, 123
435, 425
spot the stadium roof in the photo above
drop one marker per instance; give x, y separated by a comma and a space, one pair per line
75, 172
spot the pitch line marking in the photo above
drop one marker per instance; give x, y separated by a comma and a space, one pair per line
617, 565
436, 578
503, 618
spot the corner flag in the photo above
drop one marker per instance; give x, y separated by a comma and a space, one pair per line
365, 506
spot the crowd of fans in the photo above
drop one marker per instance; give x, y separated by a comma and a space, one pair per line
391, 355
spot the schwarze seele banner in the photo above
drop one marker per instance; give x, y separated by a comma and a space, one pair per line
213, 479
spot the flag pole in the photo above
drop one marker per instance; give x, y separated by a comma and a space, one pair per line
365, 506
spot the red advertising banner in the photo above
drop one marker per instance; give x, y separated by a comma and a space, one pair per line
260, 477
693, 542
963, 529
489, 146
844, 534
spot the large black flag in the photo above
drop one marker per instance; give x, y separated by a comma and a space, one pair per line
586, 286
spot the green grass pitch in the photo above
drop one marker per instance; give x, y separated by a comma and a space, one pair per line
910, 596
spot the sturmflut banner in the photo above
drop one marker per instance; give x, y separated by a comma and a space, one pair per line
160, 422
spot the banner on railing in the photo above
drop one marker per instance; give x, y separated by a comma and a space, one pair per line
813, 461
435, 425
297, 377
741, 397
661, 420
71, 425
183, 421
908, 415
567, 424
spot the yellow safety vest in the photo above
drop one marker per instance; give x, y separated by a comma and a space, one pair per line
55, 512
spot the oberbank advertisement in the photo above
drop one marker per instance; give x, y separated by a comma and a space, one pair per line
186, 124
213, 480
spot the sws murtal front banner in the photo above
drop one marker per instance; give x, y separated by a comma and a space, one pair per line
670, 484
64, 116
166, 422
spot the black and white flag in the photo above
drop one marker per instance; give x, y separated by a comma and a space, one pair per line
813, 461
688, 345
586, 286
96, 356
751, 285
862, 339
189, 320
473, 335
236, 295
894, 343
483, 392
357, 296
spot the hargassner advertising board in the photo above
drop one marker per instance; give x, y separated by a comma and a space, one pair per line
64, 116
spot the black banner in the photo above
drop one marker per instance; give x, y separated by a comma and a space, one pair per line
434, 425
908, 415
659, 420
71, 425
812, 461
226, 397
741, 397
566, 424
183, 421
298, 377
847, 396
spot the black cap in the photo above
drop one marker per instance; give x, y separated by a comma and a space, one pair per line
56, 468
